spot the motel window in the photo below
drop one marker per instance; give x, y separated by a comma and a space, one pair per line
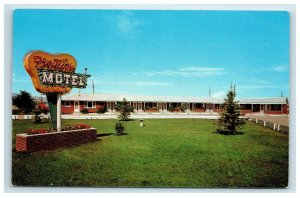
246, 106
198, 106
175, 104
151, 104
67, 104
100, 103
276, 107
90, 105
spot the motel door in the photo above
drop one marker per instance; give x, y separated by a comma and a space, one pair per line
76, 107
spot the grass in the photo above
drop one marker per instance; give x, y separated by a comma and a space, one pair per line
164, 153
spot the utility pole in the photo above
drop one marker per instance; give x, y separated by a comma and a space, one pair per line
93, 87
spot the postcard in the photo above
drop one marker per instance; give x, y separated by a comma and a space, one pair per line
150, 98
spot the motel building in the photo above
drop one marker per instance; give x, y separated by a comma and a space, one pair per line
74, 104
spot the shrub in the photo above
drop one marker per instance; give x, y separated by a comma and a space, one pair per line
172, 109
44, 110
76, 126
37, 118
102, 109
119, 128
184, 107
15, 111
84, 111
36, 131
82, 126
66, 128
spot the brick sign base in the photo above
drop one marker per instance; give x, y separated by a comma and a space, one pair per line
54, 140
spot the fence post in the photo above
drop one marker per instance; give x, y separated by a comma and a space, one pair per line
264, 123
278, 128
274, 127
256, 121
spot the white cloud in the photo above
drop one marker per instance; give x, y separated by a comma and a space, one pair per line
220, 94
274, 68
20, 81
127, 23
201, 69
189, 71
250, 87
280, 68
262, 82
141, 83
16, 79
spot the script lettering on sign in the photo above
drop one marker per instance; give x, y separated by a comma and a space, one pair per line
53, 73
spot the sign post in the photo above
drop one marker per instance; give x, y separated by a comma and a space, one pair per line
54, 75
58, 117
52, 102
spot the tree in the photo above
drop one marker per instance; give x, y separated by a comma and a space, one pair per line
24, 102
124, 109
230, 120
119, 128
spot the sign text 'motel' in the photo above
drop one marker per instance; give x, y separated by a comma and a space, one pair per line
62, 79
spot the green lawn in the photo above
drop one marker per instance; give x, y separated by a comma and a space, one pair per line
164, 153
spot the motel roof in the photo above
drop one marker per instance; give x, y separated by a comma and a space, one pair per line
184, 99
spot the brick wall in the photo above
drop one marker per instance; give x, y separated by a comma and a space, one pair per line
67, 110
285, 109
273, 112
49, 141
152, 110
92, 110
246, 111
217, 110
199, 110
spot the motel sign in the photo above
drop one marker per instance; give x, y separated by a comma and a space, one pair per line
54, 75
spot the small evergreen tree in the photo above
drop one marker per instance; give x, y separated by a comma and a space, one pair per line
119, 128
230, 121
124, 109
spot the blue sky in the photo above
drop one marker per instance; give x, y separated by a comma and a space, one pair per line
180, 53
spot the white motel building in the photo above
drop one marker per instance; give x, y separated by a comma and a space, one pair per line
147, 104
